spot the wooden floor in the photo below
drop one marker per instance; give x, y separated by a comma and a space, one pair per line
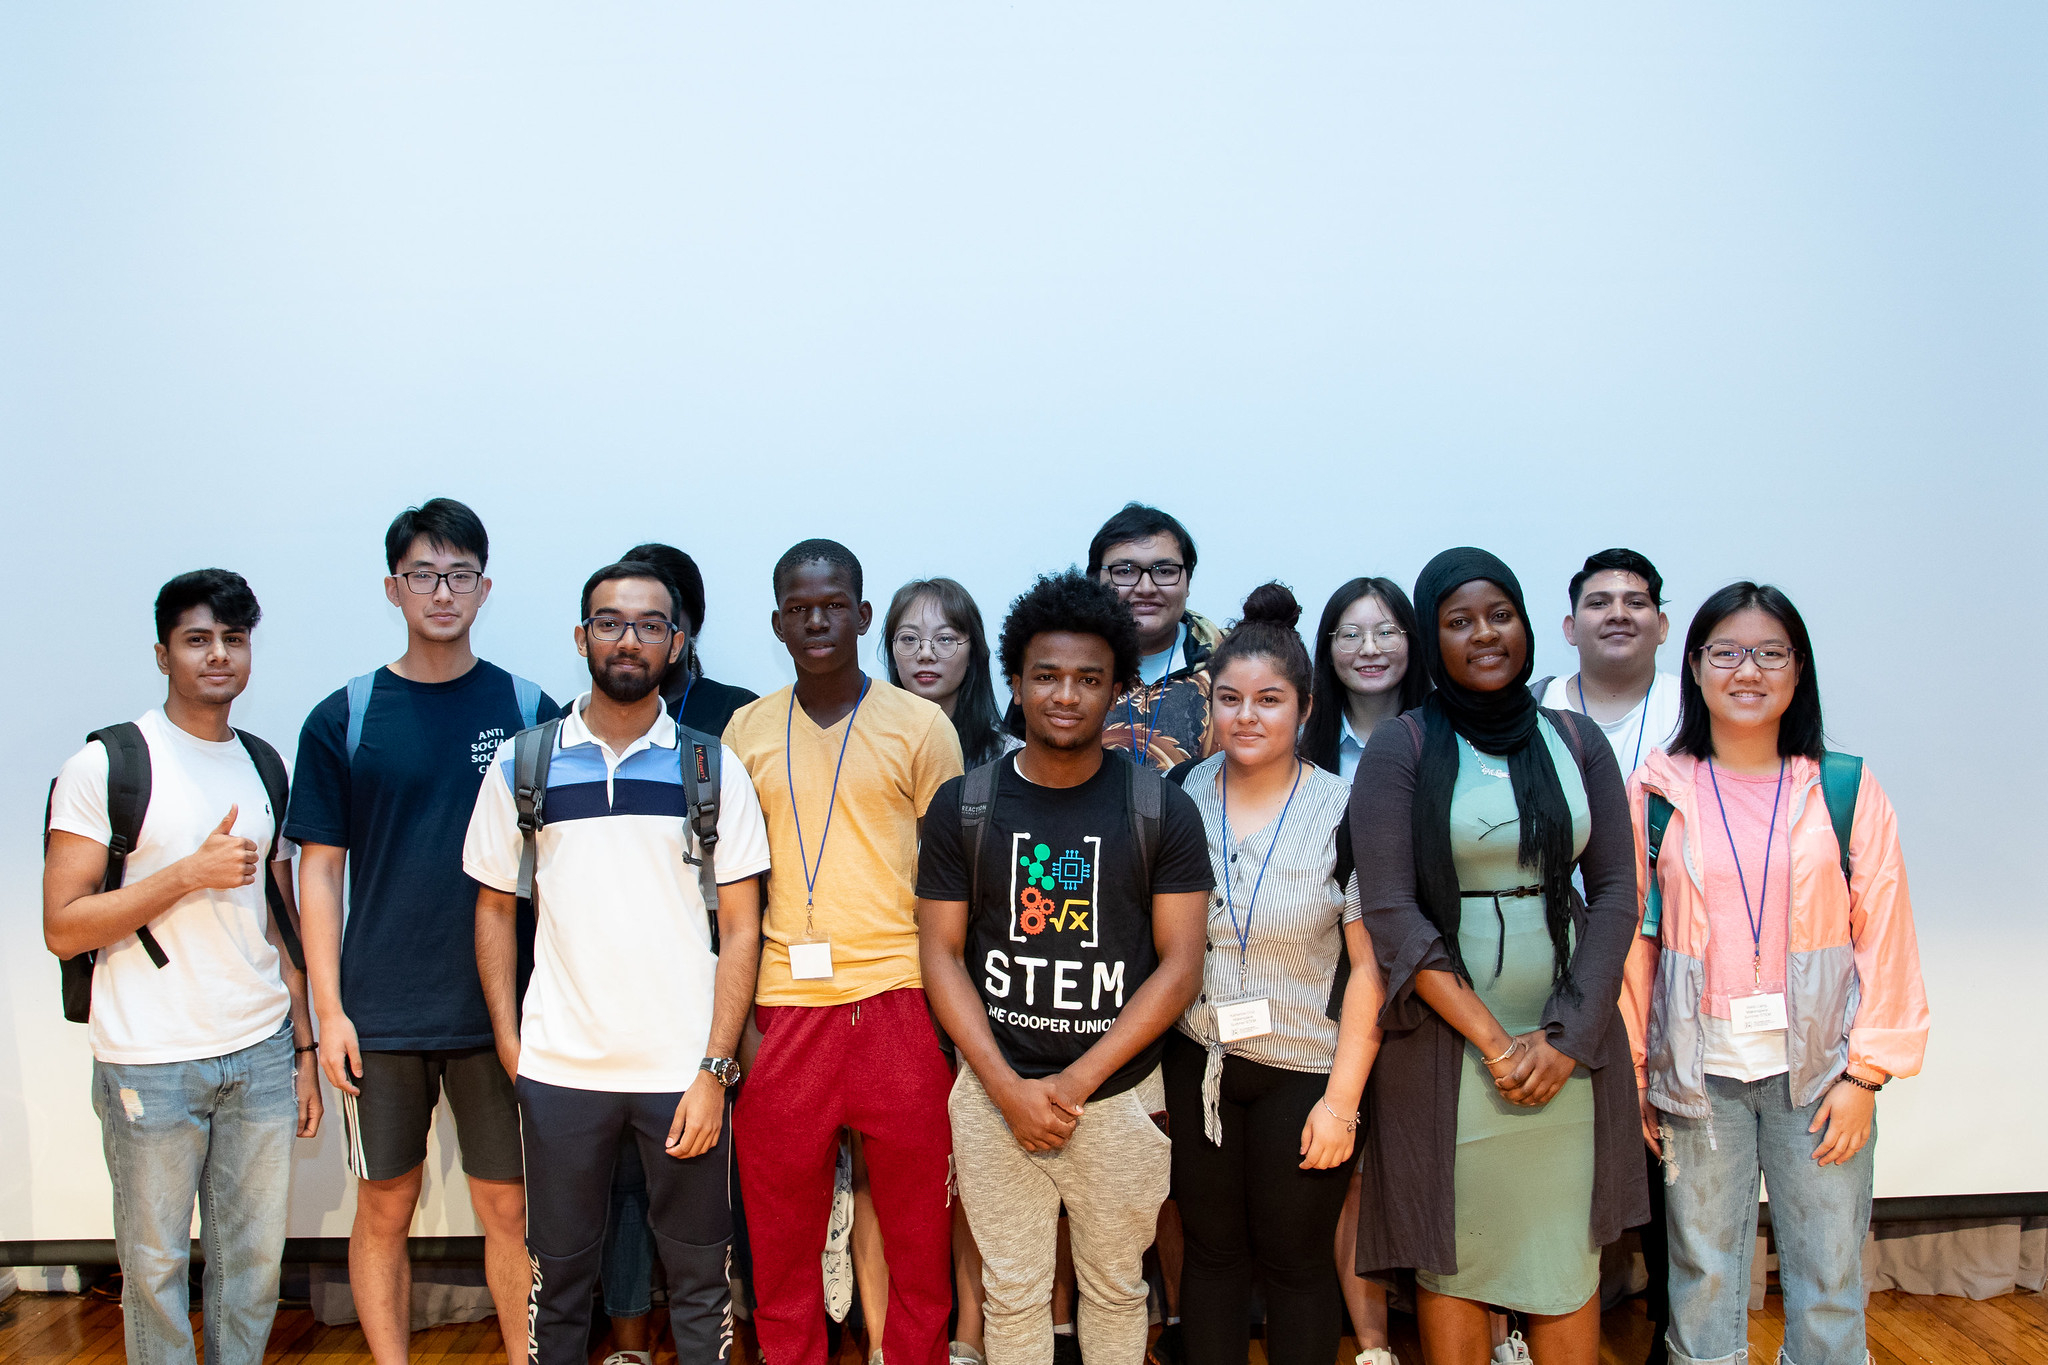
57, 1329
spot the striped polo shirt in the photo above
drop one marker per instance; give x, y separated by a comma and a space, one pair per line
623, 970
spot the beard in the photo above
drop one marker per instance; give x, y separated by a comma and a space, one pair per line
624, 687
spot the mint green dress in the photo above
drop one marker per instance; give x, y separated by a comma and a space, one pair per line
1524, 1177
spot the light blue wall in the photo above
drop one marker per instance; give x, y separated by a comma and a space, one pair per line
1756, 290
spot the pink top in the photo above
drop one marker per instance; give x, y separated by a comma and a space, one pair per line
1731, 950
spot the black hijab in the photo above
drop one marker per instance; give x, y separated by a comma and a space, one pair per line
1502, 723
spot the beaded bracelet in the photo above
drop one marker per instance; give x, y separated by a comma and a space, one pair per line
1862, 1084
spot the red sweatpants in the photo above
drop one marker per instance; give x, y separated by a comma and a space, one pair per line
874, 1067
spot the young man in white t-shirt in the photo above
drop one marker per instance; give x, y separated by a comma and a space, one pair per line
1617, 623
195, 1059
632, 1019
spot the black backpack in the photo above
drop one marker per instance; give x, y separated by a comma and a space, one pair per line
533, 749
127, 803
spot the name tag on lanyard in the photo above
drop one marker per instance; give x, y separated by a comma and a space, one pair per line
1237, 1020
811, 961
1758, 1013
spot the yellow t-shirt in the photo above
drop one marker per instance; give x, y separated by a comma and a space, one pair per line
901, 749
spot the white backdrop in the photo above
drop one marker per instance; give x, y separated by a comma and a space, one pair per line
1759, 292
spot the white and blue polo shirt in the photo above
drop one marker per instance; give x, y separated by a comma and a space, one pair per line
623, 970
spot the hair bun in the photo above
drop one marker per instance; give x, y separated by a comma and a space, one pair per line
1274, 603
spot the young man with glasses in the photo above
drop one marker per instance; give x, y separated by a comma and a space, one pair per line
198, 1018
631, 1024
1162, 717
845, 766
387, 773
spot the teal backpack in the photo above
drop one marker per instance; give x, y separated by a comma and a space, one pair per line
1841, 778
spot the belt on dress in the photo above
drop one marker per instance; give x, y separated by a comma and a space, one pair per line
1500, 956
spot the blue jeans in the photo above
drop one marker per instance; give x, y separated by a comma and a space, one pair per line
1819, 1215
219, 1130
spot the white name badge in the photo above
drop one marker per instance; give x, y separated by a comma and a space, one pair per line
811, 961
1239, 1019
1758, 1013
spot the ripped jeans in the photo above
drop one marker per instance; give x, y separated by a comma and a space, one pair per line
1819, 1215
219, 1131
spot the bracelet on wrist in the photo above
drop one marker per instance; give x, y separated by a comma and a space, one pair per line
1350, 1124
310, 1047
1861, 1084
1513, 1045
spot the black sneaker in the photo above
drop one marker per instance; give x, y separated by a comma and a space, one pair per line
1066, 1349
1166, 1348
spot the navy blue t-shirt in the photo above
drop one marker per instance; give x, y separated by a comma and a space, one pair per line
401, 809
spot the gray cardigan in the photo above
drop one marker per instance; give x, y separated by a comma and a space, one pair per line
1406, 1217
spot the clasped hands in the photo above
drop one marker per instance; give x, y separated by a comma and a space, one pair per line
1533, 1071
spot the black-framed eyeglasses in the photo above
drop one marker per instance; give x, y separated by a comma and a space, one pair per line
612, 629
424, 581
1350, 639
907, 643
1125, 574
1771, 658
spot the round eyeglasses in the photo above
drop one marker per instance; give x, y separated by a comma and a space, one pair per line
907, 643
1350, 639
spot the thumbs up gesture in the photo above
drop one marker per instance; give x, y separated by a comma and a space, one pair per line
225, 861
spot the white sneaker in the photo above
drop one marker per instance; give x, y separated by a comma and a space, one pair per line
630, 1358
1513, 1351
837, 1257
960, 1353
1378, 1355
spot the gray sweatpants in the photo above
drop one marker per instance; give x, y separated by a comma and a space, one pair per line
1112, 1176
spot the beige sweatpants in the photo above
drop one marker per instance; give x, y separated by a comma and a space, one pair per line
1112, 1176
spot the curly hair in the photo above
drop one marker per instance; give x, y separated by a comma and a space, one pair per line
1071, 601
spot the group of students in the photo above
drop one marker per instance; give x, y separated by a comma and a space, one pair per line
1322, 973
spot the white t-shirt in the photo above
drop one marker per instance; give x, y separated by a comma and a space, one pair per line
1651, 724
623, 971
221, 990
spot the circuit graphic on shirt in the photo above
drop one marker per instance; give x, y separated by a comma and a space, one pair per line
1057, 895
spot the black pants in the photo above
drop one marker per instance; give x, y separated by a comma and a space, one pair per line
572, 1140
1248, 1209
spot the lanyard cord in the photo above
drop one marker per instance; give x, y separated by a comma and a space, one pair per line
1244, 935
789, 774
1756, 917
1641, 722
1142, 756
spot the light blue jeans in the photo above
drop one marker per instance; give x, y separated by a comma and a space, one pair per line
219, 1130
1819, 1215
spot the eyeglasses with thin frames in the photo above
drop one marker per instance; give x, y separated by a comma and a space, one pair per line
1350, 639
1770, 658
907, 643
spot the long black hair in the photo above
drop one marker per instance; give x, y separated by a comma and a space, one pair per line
1325, 729
1799, 730
974, 705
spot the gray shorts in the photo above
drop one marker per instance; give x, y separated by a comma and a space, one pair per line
385, 1128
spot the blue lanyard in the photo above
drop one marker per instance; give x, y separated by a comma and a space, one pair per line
1756, 917
1637, 761
1244, 935
789, 775
684, 700
1142, 756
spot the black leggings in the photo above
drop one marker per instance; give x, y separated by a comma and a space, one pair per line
1248, 1210
572, 1139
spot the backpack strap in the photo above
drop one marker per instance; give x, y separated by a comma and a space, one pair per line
700, 755
1148, 794
977, 803
532, 750
276, 786
1568, 731
527, 694
1541, 686
1657, 813
359, 690
1841, 779
127, 802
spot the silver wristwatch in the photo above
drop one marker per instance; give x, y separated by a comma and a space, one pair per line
724, 1070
